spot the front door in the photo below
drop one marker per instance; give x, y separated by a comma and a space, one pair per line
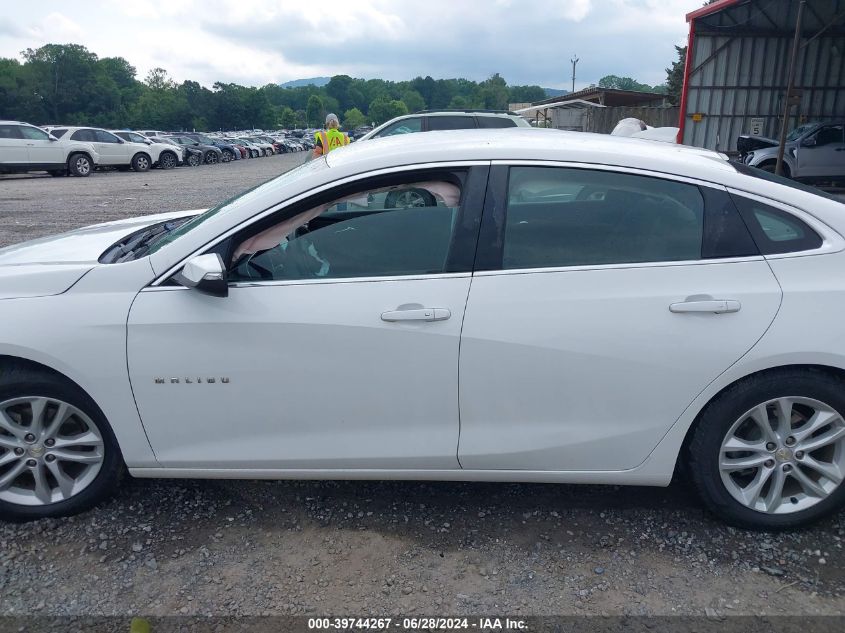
337, 347
826, 157
612, 305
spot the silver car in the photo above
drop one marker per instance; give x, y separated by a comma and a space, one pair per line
814, 151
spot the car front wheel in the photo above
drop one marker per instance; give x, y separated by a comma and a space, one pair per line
167, 160
769, 452
211, 158
58, 455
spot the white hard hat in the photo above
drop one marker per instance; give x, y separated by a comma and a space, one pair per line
331, 117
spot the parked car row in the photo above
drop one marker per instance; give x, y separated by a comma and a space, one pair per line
63, 150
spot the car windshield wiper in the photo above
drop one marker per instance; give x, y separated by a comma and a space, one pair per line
137, 244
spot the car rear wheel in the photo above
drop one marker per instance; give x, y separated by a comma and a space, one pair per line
193, 160
211, 158
228, 156
58, 455
167, 160
141, 162
80, 165
769, 453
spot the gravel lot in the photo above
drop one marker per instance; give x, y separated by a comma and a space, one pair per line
252, 548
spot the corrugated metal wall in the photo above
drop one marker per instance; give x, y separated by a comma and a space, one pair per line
740, 64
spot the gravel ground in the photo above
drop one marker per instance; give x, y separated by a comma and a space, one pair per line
364, 548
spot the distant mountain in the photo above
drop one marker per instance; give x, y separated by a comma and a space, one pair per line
555, 92
311, 81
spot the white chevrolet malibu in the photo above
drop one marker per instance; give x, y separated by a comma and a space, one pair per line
496, 305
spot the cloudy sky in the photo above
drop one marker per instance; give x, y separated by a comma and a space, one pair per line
254, 42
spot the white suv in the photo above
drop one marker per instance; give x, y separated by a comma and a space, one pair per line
113, 150
24, 147
430, 121
163, 155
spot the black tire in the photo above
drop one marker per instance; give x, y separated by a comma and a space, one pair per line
80, 165
17, 382
228, 156
253, 153
703, 454
211, 158
141, 162
193, 160
167, 160
770, 167
400, 197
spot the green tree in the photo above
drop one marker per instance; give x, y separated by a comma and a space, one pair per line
315, 111
413, 100
383, 109
353, 118
675, 76
492, 93
287, 118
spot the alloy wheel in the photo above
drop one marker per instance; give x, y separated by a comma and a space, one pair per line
408, 199
784, 455
50, 451
211, 158
83, 165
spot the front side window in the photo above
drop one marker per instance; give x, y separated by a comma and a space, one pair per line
405, 126
392, 230
578, 217
450, 123
829, 135
106, 137
34, 134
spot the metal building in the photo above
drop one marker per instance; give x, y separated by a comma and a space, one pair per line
736, 73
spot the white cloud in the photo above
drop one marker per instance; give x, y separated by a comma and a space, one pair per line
258, 41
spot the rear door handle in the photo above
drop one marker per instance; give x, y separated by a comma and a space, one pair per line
416, 314
717, 306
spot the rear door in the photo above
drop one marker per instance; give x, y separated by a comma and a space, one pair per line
13, 151
450, 122
602, 304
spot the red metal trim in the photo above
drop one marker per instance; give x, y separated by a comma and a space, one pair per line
685, 89
711, 8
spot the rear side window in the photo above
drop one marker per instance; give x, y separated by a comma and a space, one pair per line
559, 216
58, 133
10, 131
494, 122
450, 123
87, 136
776, 231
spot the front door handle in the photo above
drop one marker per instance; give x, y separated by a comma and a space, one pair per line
717, 306
416, 314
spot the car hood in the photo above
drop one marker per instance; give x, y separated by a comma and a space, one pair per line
747, 143
50, 265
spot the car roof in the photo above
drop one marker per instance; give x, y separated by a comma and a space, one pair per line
532, 144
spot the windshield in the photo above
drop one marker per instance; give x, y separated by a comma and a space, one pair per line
204, 139
798, 132
280, 182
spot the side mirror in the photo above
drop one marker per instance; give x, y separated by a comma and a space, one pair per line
809, 142
206, 273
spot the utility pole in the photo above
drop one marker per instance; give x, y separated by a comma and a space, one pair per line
574, 61
788, 95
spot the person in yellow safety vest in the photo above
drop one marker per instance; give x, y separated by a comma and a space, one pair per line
330, 138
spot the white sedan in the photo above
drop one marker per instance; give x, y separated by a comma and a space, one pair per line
496, 305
